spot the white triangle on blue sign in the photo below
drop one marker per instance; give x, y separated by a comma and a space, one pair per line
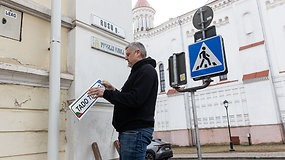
205, 59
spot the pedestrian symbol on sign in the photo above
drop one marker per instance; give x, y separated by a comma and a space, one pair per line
205, 59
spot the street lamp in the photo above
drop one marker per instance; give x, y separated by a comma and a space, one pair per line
226, 104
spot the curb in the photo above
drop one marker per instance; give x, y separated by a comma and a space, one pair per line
235, 155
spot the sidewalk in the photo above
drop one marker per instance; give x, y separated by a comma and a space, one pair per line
260, 151
233, 155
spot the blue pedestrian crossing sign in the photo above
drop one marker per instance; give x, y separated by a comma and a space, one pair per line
207, 58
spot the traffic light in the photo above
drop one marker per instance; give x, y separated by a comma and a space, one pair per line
181, 77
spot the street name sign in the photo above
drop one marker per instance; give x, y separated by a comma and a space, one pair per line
207, 58
108, 47
108, 26
82, 104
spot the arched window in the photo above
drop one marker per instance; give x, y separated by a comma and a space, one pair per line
162, 78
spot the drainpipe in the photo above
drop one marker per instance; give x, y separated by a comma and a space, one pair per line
186, 94
275, 98
54, 81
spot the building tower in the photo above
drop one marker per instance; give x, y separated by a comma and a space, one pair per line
143, 16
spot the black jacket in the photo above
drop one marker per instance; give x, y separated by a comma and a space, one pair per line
135, 104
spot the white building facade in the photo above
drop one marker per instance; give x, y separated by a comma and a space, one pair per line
97, 44
254, 86
94, 35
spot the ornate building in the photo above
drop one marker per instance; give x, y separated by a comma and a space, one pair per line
254, 85
143, 16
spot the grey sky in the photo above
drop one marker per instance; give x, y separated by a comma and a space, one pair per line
166, 9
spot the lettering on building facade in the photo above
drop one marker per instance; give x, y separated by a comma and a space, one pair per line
11, 14
108, 26
107, 47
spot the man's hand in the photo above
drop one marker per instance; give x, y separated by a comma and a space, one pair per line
96, 92
108, 85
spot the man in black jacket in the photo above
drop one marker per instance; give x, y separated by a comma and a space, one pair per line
134, 105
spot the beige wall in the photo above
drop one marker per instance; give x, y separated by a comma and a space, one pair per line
175, 137
24, 118
24, 122
47, 4
33, 51
259, 134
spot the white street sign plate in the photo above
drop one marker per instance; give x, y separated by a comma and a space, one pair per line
82, 104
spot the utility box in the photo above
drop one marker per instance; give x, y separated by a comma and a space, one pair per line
10, 23
180, 70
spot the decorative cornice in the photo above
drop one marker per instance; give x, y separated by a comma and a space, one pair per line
145, 9
251, 45
218, 23
274, 3
142, 13
22, 75
221, 21
101, 32
225, 82
255, 80
255, 77
185, 19
172, 23
216, 5
35, 10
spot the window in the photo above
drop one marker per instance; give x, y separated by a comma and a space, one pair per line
223, 77
162, 78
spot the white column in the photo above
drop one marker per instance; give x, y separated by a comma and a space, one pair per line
144, 22
148, 22
140, 23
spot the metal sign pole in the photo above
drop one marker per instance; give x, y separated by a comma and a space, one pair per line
201, 20
193, 98
196, 125
193, 90
202, 23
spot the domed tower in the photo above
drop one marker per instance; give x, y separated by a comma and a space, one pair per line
143, 16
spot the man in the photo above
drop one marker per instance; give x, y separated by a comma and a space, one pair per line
134, 105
